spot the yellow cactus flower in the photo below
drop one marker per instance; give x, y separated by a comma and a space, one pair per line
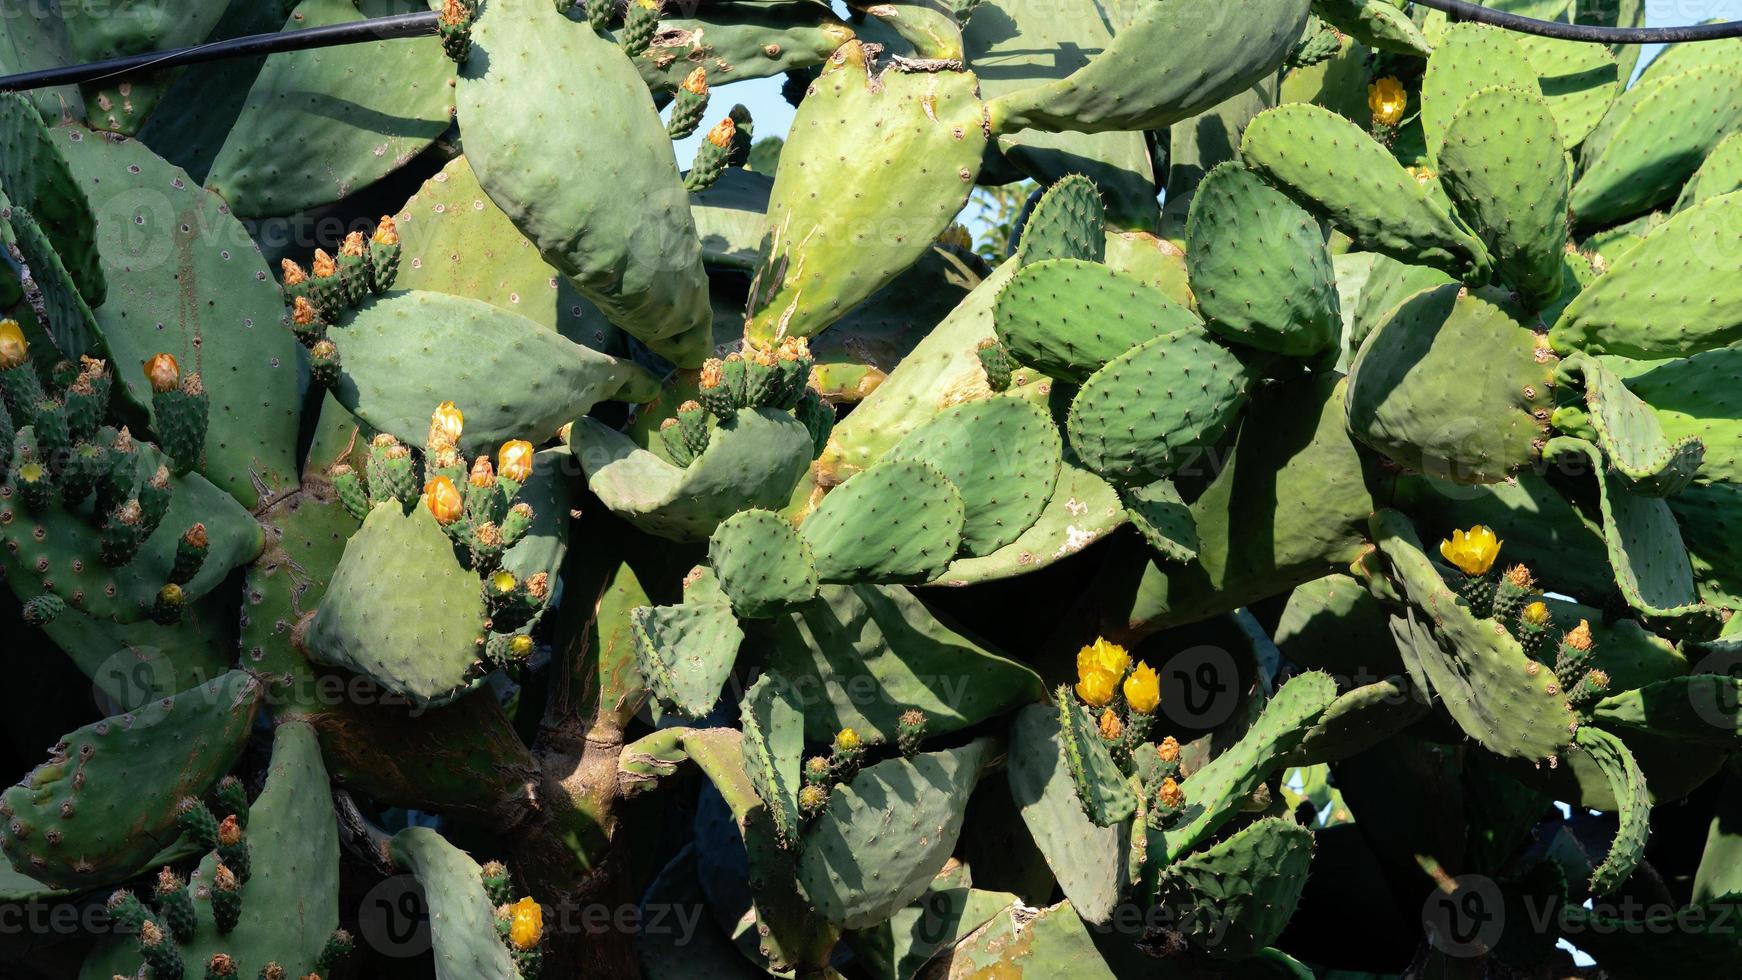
14, 349
1110, 726
846, 740
1100, 667
163, 372
502, 582
1579, 637
1143, 689
443, 500
525, 924
1387, 100
1096, 688
1473, 551
514, 460
445, 426
1536, 614
696, 82
386, 232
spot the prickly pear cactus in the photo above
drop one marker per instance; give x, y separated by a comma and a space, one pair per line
1202, 488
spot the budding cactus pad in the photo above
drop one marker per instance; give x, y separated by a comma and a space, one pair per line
401, 609
460, 913
884, 835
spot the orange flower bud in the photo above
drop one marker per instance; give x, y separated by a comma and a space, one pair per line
324, 265
163, 372
443, 500
722, 133
696, 82
293, 273
445, 426
514, 460
483, 474
353, 245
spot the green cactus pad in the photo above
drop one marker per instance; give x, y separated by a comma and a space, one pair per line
1068, 317
1259, 266
1334, 169
1720, 174
1133, 85
220, 314
1512, 705
1361, 718
1216, 791
1233, 899
33, 176
879, 639
943, 369
737, 42
1017, 44
1628, 785
1660, 133
401, 609
58, 550
1102, 790
462, 921
1303, 516
454, 239
824, 251
1674, 294
1334, 624
885, 834
1504, 166
948, 910
1002, 455
1052, 943
774, 751
753, 460
1629, 433
1083, 509
511, 378
762, 563
898, 521
290, 903
686, 652
1389, 284
358, 112
1157, 407
1453, 387
1068, 222
1467, 59
1378, 24
1697, 398
626, 238
1089, 861
1646, 553
1164, 520
1697, 708
103, 805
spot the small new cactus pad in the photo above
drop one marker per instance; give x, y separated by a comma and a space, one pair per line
762, 563
1503, 164
1155, 408
1259, 266
773, 752
885, 834
1627, 784
899, 521
1068, 317
1068, 222
1234, 898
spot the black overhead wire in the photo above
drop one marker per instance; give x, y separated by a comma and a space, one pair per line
424, 24
374, 29
1584, 32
